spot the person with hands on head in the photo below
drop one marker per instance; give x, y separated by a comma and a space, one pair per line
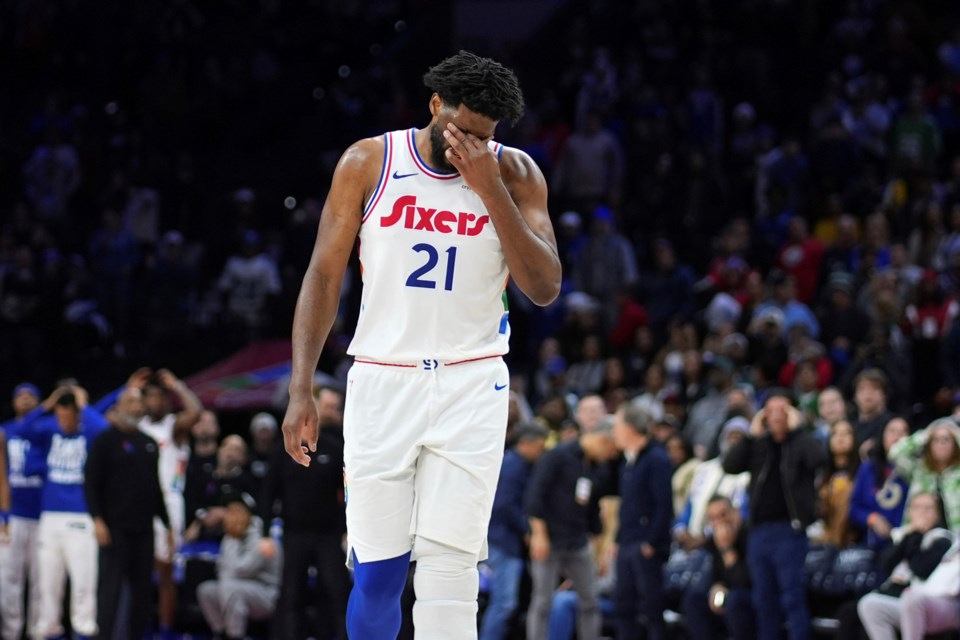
929, 460
444, 215
783, 460
171, 430
123, 494
67, 544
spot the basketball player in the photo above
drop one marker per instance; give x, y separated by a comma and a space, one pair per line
443, 215
19, 568
171, 430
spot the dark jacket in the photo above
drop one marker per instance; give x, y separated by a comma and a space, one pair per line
508, 523
802, 456
551, 496
646, 500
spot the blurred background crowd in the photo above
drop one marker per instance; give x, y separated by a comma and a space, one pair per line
747, 195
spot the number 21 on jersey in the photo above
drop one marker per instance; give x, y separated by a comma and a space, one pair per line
423, 277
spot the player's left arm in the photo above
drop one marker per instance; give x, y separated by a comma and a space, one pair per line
514, 192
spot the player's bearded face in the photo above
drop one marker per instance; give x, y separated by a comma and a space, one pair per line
438, 148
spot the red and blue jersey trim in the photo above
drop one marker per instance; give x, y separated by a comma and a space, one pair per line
411, 143
384, 175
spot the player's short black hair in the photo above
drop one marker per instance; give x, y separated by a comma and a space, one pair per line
481, 84
67, 400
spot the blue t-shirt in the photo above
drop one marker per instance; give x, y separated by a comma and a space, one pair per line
24, 489
61, 459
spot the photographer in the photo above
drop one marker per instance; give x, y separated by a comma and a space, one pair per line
783, 461
730, 596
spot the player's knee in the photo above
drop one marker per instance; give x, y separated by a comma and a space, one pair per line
381, 581
444, 573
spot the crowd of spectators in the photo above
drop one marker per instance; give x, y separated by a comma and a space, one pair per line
748, 196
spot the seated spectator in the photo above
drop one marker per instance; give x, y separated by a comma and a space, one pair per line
706, 416
248, 582
206, 491
930, 461
729, 602
879, 492
263, 435
710, 481
654, 390
684, 466
831, 408
586, 375
837, 485
870, 398
912, 601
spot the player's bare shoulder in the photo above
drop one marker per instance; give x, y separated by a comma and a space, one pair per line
520, 173
363, 160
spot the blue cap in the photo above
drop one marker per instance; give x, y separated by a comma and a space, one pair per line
28, 387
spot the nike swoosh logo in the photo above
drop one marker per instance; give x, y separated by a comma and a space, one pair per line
499, 387
398, 176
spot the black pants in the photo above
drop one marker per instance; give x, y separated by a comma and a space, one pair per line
302, 550
128, 558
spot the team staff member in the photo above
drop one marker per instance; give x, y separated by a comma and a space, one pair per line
66, 544
310, 502
646, 513
123, 495
444, 215
20, 567
562, 504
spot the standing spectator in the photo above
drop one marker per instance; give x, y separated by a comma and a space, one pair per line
123, 494
114, 255
51, 176
916, 138
710, 481
66, 541
508, 530
837, 485
310, 503
590, 412
643, 538
902, 603
930, 461
870, 400
20, 568
606, 264
800, 258
728, 602
248, 282
667, 288
784, 299
783, 461
171, 431
263, 436
927, 320
562, 504
831, 408
589, 169
707, 415
248, 581
843, 324
205, 437
879, 492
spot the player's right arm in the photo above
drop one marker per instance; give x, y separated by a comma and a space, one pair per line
354, 181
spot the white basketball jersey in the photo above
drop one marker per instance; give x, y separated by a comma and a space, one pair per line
172, 464
434, 276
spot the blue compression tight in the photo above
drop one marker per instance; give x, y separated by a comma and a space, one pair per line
373, 611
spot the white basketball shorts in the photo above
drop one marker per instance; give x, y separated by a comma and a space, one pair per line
422, 454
